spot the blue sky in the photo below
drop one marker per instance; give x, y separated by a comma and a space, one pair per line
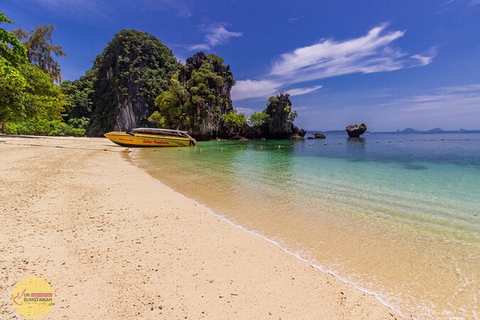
390, 64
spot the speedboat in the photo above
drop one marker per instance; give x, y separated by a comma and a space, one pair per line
151, 137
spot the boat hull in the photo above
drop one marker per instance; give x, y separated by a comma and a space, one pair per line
148, 141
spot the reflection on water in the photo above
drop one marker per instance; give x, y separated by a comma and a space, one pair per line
392, 217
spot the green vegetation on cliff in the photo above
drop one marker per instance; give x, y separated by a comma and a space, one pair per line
198, 97
132, 71
79, 100
280, 117
135, 82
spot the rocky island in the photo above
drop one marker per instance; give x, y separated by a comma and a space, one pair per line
137, 82
356, 130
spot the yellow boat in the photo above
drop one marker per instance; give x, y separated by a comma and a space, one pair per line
151, 137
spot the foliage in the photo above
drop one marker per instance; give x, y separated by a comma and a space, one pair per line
234, 119
40, 49
42, 99
41, 104
258, 119
198, 96
30, 103
12, 85
79, 123
79, 101
12, 52
133, 70
173, 106
279, 111
292, 116
12, 82
43, 127
158, 120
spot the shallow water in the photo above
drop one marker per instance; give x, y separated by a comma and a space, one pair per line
396, 215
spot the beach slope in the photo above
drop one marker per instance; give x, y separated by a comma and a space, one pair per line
114, 243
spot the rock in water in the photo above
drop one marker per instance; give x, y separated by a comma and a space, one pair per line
296, 136
320, 136
355, 130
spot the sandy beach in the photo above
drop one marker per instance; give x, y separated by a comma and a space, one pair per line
115, 243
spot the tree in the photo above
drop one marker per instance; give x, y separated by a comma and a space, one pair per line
79, 100
198, 97
258, 119
42, 104
12, 83
12, 52
174, 105
40, 49
234, 119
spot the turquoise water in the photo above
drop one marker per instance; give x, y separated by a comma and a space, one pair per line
395, 215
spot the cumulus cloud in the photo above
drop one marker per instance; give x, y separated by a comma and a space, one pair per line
215, 35
370, 53
246, 89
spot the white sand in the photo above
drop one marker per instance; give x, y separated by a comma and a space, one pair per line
116, 244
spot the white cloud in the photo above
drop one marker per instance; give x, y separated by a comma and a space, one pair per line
453, 100
215, 35
302, 91
199, 47
447, 110
219, 35
245, 111
246, 89
329, 58
425, 59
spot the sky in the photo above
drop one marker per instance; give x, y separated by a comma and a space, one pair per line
389, 64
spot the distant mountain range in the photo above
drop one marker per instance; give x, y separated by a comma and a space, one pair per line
437, 130
406, 131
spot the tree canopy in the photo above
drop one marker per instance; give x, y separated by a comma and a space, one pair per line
40, 49
29, 100
12, 82
198, 97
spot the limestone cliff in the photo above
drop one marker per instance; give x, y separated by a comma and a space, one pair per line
132, 71
281, 116
208, 82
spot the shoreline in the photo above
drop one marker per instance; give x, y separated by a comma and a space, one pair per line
296, 255
206, 266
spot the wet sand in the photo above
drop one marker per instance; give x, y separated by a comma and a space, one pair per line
115, 243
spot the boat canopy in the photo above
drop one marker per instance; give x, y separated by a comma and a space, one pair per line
159, 131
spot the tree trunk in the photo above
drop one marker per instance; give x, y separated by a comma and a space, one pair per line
2, 128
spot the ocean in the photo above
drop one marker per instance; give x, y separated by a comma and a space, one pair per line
395, 215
